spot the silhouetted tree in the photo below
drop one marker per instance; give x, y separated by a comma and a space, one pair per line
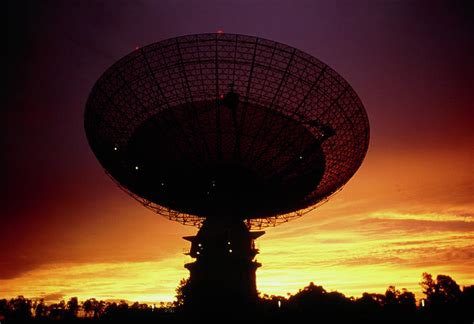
407, 301
88, 306
391, 297
374, 301
182, 293
41, 310
4, 309
448, 289
110, 310
116, 311
57, 311
337, 300
122, 306
309, 298
442, 291
399, 304
72, 307
20, 308
314, 300
369, 306
93, 307
136, 306
428, 284
274, 302
468, 293
99, 309
467, 298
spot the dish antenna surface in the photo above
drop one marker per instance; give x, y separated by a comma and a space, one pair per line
229, 133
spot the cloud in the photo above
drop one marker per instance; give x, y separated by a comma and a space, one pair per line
413, 225
52, 297
384, 223
367, 252
150, 281
15, 267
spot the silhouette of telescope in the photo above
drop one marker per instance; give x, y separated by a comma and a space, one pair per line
228, 133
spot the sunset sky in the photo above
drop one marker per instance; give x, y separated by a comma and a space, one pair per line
67, 230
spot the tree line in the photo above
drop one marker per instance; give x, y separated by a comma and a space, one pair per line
445, 302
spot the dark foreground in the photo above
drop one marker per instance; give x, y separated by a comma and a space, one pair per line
445, 302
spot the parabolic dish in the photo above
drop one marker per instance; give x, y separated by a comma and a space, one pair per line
226, 125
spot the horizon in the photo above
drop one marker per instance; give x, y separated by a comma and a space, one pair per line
69, 231
167, 302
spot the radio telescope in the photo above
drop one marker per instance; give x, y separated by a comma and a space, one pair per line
228, 133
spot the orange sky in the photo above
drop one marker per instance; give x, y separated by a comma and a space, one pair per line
393, 221
67, 230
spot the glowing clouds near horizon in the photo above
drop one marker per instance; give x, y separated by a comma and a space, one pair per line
352, 255
151, 281
358, 253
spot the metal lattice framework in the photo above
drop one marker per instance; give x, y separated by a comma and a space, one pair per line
211, 100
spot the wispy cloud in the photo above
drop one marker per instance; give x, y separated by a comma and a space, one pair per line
360, 252
141, 281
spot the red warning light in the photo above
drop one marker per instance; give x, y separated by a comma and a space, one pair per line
137, 47
221, 96
220, 32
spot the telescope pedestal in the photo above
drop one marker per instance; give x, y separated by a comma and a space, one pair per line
224, 272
